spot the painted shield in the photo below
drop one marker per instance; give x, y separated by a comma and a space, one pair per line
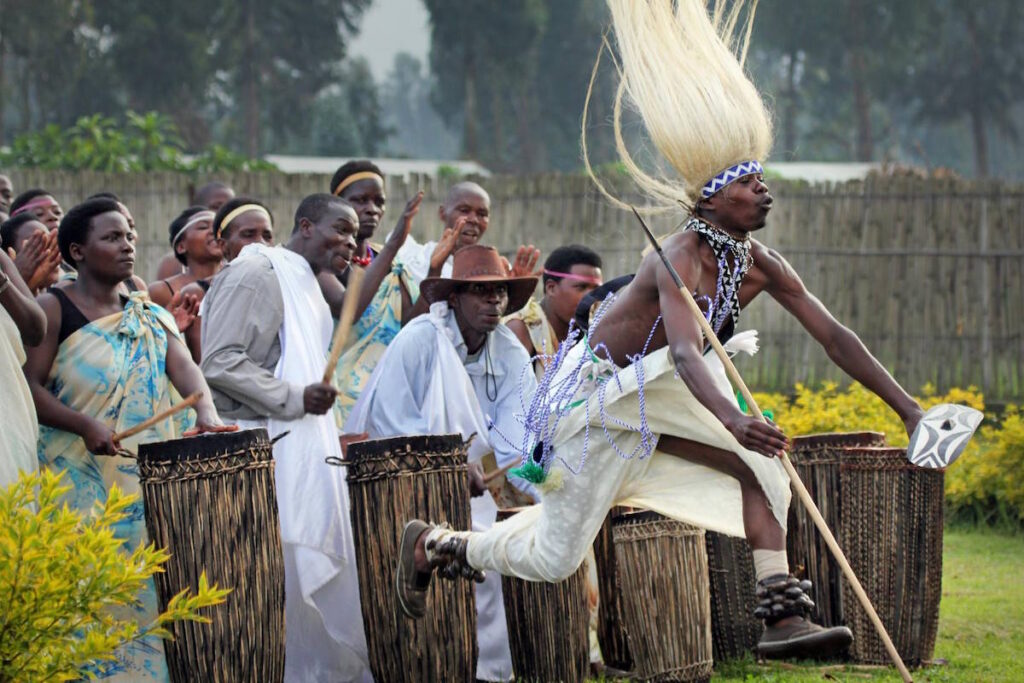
942, 434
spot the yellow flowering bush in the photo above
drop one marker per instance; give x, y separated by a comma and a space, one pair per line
986, 484
61, 573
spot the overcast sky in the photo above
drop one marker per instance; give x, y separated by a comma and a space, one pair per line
390, 27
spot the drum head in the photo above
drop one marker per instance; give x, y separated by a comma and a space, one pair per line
203, 446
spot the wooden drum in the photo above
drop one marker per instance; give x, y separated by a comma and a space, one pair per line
663, 572
817, 458
392, 481
210, 501
734, 628
547, 626
891, 531
611, 628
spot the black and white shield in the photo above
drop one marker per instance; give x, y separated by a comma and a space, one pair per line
942, 434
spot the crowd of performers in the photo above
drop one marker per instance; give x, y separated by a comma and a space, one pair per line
600, 394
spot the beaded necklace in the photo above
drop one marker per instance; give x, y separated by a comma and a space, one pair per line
726, 304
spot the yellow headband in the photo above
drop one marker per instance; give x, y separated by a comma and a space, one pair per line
238, 212
355, 178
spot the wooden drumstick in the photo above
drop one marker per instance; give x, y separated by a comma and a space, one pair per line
491, 476
794, 477
345, 320
159, 417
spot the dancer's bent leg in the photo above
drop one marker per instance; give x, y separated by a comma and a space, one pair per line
787, 633
547, 542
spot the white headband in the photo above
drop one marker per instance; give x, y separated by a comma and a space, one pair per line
198, 217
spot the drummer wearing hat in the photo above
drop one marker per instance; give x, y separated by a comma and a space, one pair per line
457, 369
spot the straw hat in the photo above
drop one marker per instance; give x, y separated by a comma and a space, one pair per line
478, 263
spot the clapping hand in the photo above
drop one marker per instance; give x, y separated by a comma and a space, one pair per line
39, 260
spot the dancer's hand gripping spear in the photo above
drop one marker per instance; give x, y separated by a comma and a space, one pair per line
801, 490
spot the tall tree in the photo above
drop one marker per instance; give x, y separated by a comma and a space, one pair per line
835, 68
278, 55
978, 75
513, 76
417, 130
164, 59
53, 64
483, 56
346, 117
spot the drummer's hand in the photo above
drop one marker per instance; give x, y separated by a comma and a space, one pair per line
761, 437
99, 439
318, 398
346, 439
209, 423
477, 487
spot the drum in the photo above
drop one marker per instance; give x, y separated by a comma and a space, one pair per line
548, 626
817, 458
663, 572
210, 501
611, 629
734, 629
392, 481
891, 531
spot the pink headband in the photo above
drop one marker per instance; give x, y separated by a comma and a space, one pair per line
569, 276
34, 204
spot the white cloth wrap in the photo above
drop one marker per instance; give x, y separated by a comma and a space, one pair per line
21, 427
548, 541
324, 633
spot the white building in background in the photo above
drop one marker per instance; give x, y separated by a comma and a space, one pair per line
389, 167
823, 171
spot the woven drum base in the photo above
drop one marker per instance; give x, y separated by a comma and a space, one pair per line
390, 482
891, 531
816, 458
611, 624
547, 626
734, 630
663, 570
210, 501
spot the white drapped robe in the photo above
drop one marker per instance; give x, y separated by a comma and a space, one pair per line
323, 620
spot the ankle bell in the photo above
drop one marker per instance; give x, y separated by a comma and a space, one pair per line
783, 596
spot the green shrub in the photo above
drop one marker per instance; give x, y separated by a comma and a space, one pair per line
143, 142
63, 573
984, 486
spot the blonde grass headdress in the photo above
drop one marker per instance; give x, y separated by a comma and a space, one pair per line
682, 70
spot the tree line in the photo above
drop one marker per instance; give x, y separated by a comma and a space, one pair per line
928, 82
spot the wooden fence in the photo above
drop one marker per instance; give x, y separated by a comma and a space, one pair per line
930, 273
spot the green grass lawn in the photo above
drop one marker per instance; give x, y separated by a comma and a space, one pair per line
981, 621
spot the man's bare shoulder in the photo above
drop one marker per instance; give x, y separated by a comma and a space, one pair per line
771, 266
683, 249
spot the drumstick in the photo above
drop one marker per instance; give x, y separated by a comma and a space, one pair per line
491, 476
801, 490
348, 312
146, 424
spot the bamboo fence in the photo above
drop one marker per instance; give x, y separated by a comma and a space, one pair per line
929, 272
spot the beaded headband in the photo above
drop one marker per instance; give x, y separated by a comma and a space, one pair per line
42, 202
238, 212
571, 276
197, 217
355, 178
744, 168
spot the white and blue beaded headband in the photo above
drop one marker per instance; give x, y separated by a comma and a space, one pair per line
744, 168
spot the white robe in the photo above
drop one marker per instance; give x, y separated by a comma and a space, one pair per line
424, 369
416, 259
324, 624
21, 428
